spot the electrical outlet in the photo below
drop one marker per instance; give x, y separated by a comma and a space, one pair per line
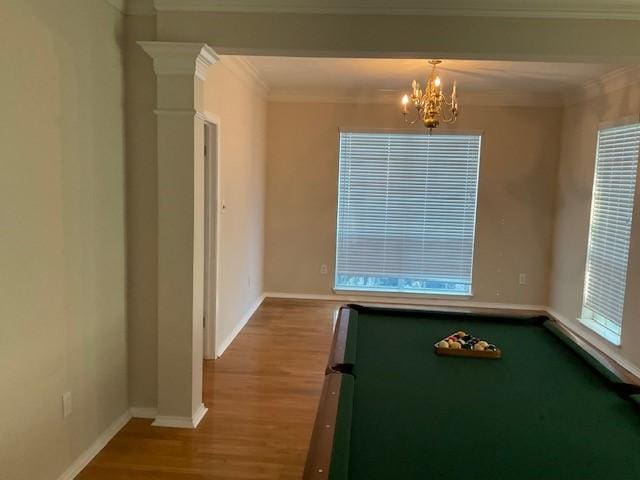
522, 279
323, 269
66, 404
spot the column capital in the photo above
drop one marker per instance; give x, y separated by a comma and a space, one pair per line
179, 58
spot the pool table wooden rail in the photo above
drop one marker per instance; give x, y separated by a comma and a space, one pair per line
339, 342
605, 360
321, 445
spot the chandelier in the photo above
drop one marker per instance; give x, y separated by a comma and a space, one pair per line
431, 106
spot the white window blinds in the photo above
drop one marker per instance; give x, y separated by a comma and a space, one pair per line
406, 212
610, 229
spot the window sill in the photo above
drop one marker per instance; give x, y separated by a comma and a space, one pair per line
609, 336
403, 295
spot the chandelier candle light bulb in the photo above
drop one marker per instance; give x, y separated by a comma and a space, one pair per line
405, 103
432, 106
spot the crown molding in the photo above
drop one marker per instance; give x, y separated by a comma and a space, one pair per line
523, 99
246, 72
391, 97
119, 5
610, 82
173, 58
133, 7
586, 9
140, 7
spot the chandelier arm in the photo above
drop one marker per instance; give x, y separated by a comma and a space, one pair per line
418, 115
411, 122
446, 119
451, 119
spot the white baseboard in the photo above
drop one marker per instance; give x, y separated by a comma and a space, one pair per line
143, 412
612, 351
222, 346
181, 422
404, 300
85, 457
199, 415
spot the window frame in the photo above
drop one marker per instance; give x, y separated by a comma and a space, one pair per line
594, 321
450, 297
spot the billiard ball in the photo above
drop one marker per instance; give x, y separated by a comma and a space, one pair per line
460, 334
466, 338
483, 343
443, 344
467, 346
455, 345
491, 348
478, 347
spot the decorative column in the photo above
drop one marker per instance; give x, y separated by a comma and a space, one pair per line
181, 70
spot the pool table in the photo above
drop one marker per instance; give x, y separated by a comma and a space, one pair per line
392, 409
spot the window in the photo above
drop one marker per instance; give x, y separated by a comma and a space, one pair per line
406, 212
610, 230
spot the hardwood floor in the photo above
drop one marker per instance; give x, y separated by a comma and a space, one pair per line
262, 396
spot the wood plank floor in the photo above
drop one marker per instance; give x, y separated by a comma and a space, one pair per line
262, 396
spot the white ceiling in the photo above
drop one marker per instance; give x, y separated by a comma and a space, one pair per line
375, 74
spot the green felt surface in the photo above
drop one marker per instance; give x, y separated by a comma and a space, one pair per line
539, 412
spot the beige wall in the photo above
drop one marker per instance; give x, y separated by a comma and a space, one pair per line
242, 113
515, 198
142, 214
575, 183
62, 261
